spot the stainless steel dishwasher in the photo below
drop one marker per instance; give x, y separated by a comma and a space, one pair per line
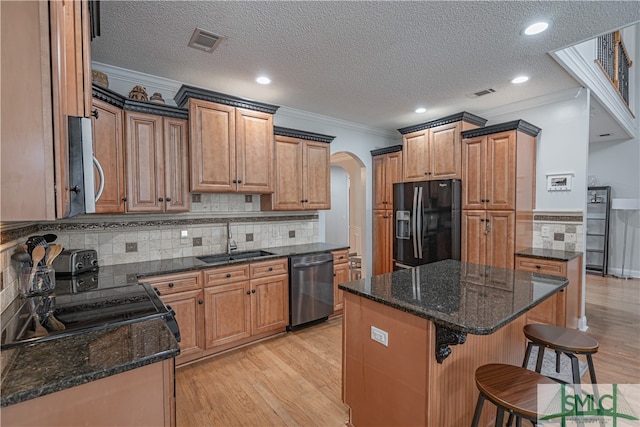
311, 288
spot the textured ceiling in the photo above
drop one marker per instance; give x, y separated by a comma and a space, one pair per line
365, 62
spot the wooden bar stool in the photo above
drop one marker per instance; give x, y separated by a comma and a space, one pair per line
512, 389
561, 340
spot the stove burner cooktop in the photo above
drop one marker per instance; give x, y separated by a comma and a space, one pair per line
68, 314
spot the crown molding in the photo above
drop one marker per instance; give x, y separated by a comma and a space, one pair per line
335, 122
519, 125
302, 134
459, 117
538, 101
135, 77
386, 150
589, 75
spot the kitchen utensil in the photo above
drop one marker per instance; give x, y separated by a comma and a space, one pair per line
50, 237
35, 241
40, 331
37, 255
54, 251
55, 324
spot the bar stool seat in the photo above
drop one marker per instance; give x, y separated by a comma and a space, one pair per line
511, 388
562, 340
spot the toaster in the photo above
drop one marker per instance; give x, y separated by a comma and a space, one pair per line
75, 261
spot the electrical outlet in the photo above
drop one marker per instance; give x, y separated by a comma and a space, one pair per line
545, 231
380, 336
184, 234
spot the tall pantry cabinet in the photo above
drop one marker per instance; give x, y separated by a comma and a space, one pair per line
387, 170
498, 192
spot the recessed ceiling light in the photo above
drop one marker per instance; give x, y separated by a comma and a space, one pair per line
421, 110
519, 79
536, 28
263, 80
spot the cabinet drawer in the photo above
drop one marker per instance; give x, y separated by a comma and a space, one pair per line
269, 268
340, 257
173, 283
554, 268
225, 275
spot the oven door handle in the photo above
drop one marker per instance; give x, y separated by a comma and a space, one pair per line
312, 264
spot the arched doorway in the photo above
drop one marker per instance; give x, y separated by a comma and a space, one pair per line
350, 173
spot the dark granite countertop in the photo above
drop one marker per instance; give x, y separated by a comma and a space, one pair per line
470, 298
128, 274
550, 254
50, 366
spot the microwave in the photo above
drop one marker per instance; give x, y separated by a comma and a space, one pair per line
82, 163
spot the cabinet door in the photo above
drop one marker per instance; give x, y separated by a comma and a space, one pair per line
212, 146
501, 171
340, 275
473, 237
188, 308
316, 176
145, 162
269, 303
288, 174
382, 242
394, 172
254, 151
28, 192
227, 315
176, 165
473, 164
500, 239
108, 148
415, 154
445, 152
380, 193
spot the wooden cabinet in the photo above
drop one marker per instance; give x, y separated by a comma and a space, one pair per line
141, 396
341, 274
45, 78
302, 174
157, 163
183, 293
108, 149
562, 309
231, 148
488, 237
387, 170
382, 241
498, 192
432, 150
239, 308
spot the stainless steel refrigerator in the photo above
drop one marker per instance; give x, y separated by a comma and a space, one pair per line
427, 219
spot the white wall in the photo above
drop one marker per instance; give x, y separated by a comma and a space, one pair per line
562, 146
616, 164
337, 219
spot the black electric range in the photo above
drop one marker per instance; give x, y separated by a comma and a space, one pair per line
64, 314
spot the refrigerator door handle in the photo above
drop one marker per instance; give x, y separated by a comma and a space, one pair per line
414, 222
419, 216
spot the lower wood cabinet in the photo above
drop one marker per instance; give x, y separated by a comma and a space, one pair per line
183, 293
340, 275
382, 241
221, 308
562, 309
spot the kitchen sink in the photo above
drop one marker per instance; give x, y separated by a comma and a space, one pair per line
212, 259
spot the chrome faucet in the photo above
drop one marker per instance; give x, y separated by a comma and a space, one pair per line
231, 245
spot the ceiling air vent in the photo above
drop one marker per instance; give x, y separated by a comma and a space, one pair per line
480, 93
204, 40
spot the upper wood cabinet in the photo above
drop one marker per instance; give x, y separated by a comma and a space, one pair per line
108, 149
157, 163
231, 148
499, 170
302, 172
432, 150
387, 170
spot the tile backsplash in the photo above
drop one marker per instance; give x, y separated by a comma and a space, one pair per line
121, 239
558, 230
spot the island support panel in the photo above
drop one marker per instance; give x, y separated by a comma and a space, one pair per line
402, 383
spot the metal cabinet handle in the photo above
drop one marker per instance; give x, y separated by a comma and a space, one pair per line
200, 302
168, 199
124, 199
538, 266
171, 285
253, 291
228, 275
160, 199
95, 113
270, 268
248, 292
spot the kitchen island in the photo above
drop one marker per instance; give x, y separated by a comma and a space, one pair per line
412, 339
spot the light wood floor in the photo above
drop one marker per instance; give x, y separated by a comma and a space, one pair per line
295, 379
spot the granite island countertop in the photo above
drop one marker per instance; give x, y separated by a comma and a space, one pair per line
469, 298
49, 366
